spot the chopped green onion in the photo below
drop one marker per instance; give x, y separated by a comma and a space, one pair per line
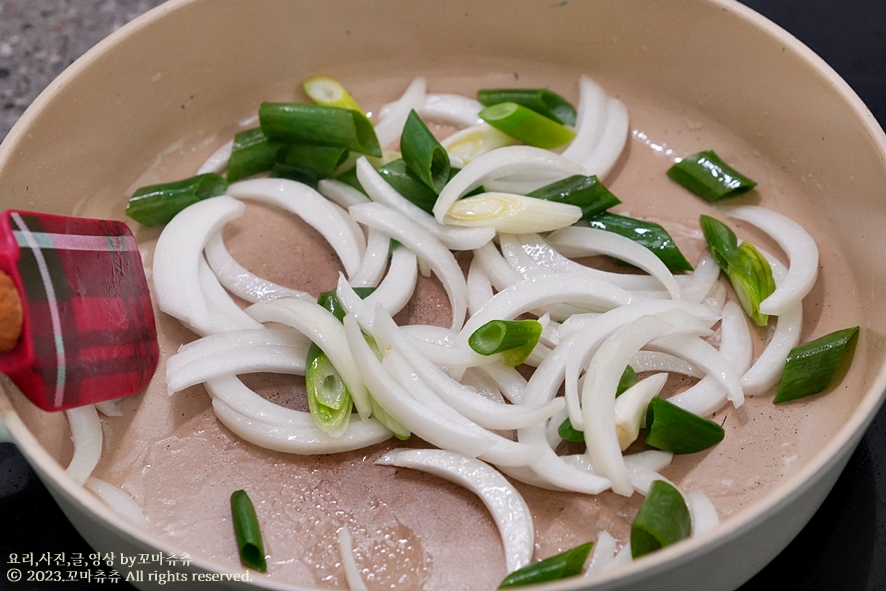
252, 153
587, 192
663, 519
649, 234
569, 433
330, 93
329, 399
246, 530
811, 367
297, 123
670, 428
509, 213
423, 154
514, 339
405, 182
542, 101
706, 175
157, 204
527, 126
747, 269
566, 564
293, 172
324, 159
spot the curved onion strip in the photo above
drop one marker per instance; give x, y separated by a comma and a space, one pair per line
474, 141
496, 267
630, 407
482, 411
598, 396
590, 121
575, 241
118, 500
508, 509
244, 401
702, 279
404, 230
397, 287
703, 512
224, 313
797, 244
305, 441
435, 423
653, 459
482, 384
707, 396
326, 332
453, 109
218, 160
604, 552
341, 193
543, 290
391, 125
640, 476
716, 298
509, 380
452, 237
352, 573
303, 201
702, 354
237, 352
510, 160
767, 369
375, 259
548, 260
109, 408
657, 361
599, 329
240, 281
86, 431
178, 254
612, 143
623, 556
479, 287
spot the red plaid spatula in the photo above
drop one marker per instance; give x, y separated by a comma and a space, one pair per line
87, 331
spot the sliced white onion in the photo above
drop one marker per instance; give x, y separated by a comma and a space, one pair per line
657, 361
391, 124
510, 160
375, 259
653, 459
381, 192
702, 279
303, 201
177, 259
322, 328
508, 509
703, 513
630, 407
218, 160
244, 401
604, 552
513, 214
240, 281
86, 431
224, 313
575, 241
590, 121
297, 440
701, 354
496, 267
796, 242
479, 287
611, 145
352, 573
398, 285
768, 367
404, 230
482, 384
474, 141
453, 109
109, 408
340, 193
509, 380
119, 501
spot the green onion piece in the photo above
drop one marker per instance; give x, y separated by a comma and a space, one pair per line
587, 192
670, 428
405, 182
569, 433
382, 416
663, 519
330, 93
649, 234
329, 399
252, 153
542, 101
329, 300
293, 172
246, 530
527, 126
157, 204
706, 175
296, 123
566, 564
423, 154
324, 159
747, 269
514, 339
811, 367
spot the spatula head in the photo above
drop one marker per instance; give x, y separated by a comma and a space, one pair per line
88, 331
